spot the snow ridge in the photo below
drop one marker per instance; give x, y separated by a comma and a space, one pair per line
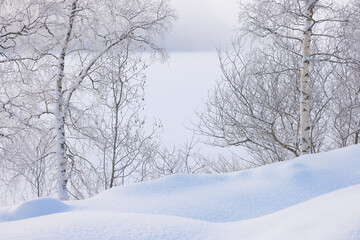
311, 197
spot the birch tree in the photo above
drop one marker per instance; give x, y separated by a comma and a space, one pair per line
305, 145
255, 104
285, 23
110, 23
61, 44
278, 77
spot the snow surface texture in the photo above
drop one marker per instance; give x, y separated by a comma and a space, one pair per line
34, 208
311, 197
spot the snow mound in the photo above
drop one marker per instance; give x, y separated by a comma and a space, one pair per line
311, 197
36, 208
240, 195
334, 216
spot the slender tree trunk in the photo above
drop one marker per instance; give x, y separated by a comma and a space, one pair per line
60, 144
60, 111
305, 143
117, 102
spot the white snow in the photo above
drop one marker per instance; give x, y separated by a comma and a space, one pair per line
311, 197
34, 208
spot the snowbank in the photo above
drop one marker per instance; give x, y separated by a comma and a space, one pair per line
34, 208
312, 197
240, 195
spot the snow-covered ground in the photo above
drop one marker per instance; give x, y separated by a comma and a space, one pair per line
312, 197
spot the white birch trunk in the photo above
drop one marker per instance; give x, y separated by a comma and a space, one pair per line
305, 143
60, 139
60, 112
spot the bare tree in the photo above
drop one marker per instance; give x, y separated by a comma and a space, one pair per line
181, 159
345, 108
27, 162
308, 25
125, 144
85, 32
256, 104
53, 49
19, 21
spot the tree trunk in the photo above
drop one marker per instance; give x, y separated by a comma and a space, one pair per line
117, 102
60, 145
60, 111
305, 143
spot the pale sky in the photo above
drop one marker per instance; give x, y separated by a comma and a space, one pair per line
180, 86
202, 24
177, 88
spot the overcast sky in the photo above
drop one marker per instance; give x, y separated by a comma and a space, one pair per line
178, 87
202, 24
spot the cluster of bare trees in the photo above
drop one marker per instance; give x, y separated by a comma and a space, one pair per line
71, 86
290, 82
72, 94
72, 91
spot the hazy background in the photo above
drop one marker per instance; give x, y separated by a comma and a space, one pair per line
202, 24
178, 87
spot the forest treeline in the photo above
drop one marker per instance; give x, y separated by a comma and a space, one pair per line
73, 85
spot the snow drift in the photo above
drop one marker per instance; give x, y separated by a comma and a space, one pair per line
311, 197
35, 208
